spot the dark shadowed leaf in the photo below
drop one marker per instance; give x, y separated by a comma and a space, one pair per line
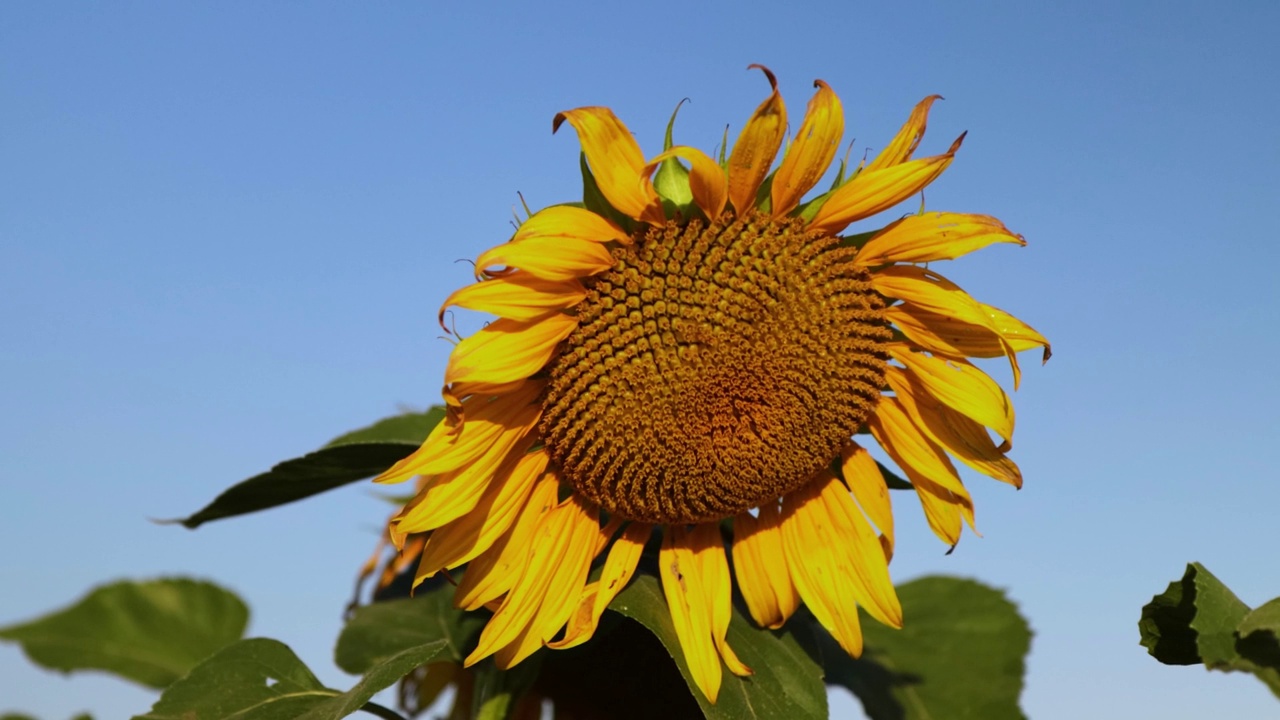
150, 632
959, 655
351, 457
381, 630
787, 682
1199, 620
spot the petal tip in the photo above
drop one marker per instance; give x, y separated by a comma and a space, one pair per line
773, 80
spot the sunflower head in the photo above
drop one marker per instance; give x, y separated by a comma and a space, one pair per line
691, 350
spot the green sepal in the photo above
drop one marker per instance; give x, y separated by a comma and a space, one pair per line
672, 179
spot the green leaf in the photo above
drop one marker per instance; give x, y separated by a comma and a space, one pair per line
262, 679
787, 682
351, 457
149, 632
381, 630
1199, 620
959, 655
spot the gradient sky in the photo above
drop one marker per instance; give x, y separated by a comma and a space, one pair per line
225, 230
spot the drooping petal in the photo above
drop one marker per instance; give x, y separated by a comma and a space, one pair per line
962, 387
568, 221
518, 296
714, 568
756, 147
491, 425
494, 571
811, 152
507, 350
934, 236
707, 180
865, 480
952, 337
835, 557
761, 567
899, 150
965, 439
558, 259
616, 161
690, 606
619, 566
872, 191
458, 542
1016, 333
555, 568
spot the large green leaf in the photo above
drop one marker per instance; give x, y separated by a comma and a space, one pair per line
787, 682
959, 655
381, 630
354, 456
261, 679
1199, 620
149, 632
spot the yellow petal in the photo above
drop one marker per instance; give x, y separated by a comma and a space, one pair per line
714, 568
761, 567
926, 465
518, 296
955, 338
555, 562
865, 480
706, 179
962, 387
507, 350
834, 558
1018, 334
616, 161
934, 236
965, 439
499, 506
811, 152
756, 147
690, 609
872, 191
547, 257
494, 571
489, 420
619, 566
908, 138
568, 221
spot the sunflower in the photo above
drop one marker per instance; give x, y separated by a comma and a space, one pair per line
689, 353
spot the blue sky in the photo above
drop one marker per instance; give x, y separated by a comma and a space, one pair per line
225, 230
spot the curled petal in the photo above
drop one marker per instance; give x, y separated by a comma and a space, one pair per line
558, 259
756, 147
761, 566
616, 161
507, 350
518, 296
619, 566
908, 138
865, 480
934, 236
811, 152
872, 191
952, 337
706, 179
962, 387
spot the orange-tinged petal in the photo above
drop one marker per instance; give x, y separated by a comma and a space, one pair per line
568, 221
965, 439
458, 542
872, 191
616, 161
518, 296
899, 150
707, 180
756, 147
690, 608
714, 567
1018, 334
962, 387
555, 569
835, 557
942, 510
494, 571
547, 257
865, 480
619, 566
761, 567
491, 425
811, 152
507, 350
934, 236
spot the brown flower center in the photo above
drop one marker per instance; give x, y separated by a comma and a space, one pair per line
714, 369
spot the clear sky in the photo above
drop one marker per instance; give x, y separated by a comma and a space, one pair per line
225, 230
